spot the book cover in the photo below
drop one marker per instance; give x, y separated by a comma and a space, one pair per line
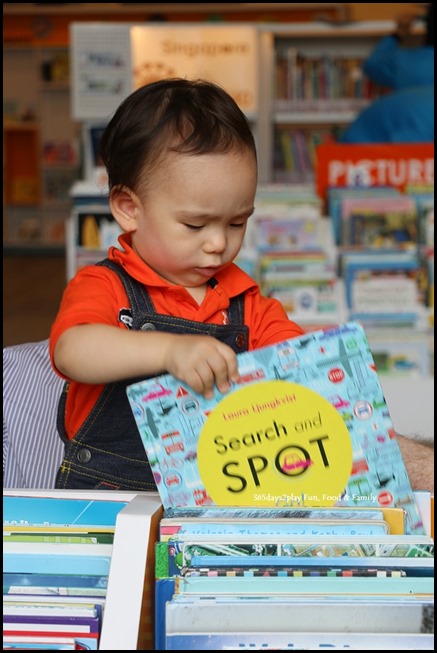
58, 538
308, 424
58, 548
171, 563
45, 625
336, 566
172, 555
56, 583
325, 585
190, 528
84, 631
371, 281
282, 231
394, 517
52, 598
164, 591
313, 615
380, 222
49, 609
23, 642
299, 641
336, 195
49, 511
46, 563
249, 512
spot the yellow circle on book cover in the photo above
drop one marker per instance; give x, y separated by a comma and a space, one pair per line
275, 443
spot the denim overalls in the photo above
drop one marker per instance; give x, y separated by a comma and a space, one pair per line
107, 452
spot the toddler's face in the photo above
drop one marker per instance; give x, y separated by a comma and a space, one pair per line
193, 217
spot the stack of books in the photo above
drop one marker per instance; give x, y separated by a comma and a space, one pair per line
296, 258
238, 577
56, 560
71, 554
378, 232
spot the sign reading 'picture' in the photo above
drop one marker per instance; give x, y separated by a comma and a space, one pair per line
364, 166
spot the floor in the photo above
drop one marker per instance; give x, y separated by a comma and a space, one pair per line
32, 291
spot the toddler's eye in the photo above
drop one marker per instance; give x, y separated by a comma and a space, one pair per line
238, 225
194, 227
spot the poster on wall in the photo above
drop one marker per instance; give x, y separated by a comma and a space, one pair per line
101, 69
222, 54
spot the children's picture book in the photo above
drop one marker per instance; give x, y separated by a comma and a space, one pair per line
384, 289
247, 512
201, 551
22, 512
335, 197
173, 555
52, 583
313, 614
325, 585
299, 642
21, 642
59, 538
292, 572
171, 528
307, 425
50, 609
379, 222
62, 563
393, 517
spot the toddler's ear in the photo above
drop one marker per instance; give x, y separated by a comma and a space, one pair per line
123, 206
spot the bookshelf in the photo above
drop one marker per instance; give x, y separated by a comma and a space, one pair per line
41, 146
308, 82
41, 135
315, 87
128, 622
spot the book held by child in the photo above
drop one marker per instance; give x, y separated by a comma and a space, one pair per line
307, 425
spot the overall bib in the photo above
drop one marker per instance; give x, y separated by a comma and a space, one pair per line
107, 452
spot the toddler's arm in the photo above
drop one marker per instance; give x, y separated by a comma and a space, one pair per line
99, 353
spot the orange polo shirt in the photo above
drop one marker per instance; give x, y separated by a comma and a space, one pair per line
97, 295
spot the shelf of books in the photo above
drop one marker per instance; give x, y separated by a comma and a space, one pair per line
78, 569
106, 571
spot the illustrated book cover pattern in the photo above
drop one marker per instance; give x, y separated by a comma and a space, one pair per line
307, 425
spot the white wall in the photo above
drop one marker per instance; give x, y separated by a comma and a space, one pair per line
411, 405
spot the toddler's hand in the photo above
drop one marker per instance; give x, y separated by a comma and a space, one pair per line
202, 361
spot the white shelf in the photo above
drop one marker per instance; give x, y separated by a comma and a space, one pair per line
132, 562
313, 117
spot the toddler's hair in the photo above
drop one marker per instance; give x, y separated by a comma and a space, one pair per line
171, 115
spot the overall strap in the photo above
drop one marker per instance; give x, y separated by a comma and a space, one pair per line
137, 294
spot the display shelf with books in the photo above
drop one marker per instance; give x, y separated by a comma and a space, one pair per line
67, 549
37, 91
317, 88
212, 586
381, 227
41, 145
299, 84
